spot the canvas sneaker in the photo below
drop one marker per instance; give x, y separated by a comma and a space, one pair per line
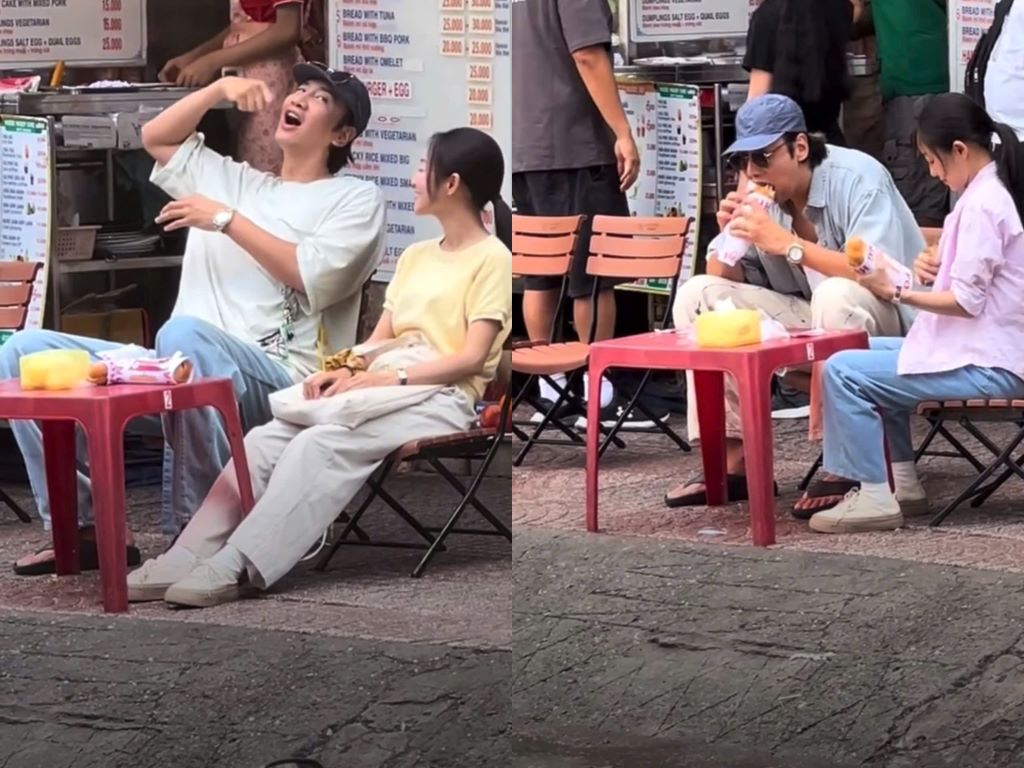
859, 513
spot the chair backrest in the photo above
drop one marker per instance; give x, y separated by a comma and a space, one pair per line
16, 281
635, 248
542, 246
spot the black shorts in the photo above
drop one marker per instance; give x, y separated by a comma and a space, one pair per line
592, 191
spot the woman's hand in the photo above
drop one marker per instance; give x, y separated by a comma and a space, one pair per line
879, 284
364, 380
926, 266
173, 68
324, 383
196, 211
199, 72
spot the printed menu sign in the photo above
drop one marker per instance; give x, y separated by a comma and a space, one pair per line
26, 200
665, 119
689, 19
430, 66
43, 32
969, 20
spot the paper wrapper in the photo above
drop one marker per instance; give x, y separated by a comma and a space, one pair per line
865, 259
729, 248
120, 368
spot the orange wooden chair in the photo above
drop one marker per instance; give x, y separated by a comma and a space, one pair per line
543, 246
16, 281
621, 247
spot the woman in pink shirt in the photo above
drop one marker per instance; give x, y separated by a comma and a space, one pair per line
967, 339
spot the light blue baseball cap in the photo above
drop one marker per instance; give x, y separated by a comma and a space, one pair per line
763, 121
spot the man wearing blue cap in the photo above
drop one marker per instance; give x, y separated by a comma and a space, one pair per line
796, 270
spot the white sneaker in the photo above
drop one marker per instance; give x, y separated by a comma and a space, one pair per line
205, 587
150, 581
858, 513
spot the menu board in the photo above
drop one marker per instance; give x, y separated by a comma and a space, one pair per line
969, 20
665, 119
653, 20
26, 200
43, 32
430, 66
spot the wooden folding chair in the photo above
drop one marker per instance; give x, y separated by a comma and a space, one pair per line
543, 247
481, 444
621, 247
16, 281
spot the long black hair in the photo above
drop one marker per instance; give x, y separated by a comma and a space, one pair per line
810, 53
952, 117
477, 159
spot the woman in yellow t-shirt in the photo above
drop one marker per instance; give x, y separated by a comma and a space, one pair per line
456, 293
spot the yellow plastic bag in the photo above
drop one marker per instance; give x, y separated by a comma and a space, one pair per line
725, 329
54, 369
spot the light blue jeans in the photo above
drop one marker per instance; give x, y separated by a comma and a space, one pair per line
859, 385
196, 444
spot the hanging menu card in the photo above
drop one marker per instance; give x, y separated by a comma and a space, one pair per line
43, 32
430, 66
665, 119
26, 200
969, 20
653, 20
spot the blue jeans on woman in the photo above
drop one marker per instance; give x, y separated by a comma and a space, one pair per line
866, 401
197, 447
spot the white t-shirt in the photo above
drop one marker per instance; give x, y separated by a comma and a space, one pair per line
338, 225
1004, 80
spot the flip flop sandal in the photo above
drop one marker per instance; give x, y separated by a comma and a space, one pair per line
736, 485
88, 560
824, 489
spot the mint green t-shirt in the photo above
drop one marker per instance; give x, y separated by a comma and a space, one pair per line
913, 46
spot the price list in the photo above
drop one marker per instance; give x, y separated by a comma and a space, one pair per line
429, 66
43, 32
689, 19
970, 19
26, 200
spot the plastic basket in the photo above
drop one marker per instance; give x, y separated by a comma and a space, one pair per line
76, 243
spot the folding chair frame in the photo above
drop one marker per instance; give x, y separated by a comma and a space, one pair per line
484, 447
15, 507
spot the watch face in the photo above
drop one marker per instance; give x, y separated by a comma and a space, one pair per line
795, 254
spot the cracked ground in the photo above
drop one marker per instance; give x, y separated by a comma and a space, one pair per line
358, 667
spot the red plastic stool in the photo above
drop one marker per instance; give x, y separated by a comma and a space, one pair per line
103, 412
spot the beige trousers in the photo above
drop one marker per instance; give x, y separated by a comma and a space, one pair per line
303, 478
837, 304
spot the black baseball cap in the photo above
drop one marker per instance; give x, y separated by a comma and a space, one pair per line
344, 86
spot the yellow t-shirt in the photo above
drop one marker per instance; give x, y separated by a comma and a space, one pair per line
440, 293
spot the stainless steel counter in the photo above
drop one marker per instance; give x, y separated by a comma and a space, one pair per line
84, 101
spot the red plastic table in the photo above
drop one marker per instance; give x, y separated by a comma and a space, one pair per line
103, 412
752, 368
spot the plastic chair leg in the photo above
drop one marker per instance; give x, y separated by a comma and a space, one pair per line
709, 389
106, 462
758, 450
62, 492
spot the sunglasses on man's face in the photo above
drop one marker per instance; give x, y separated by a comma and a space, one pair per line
742, 160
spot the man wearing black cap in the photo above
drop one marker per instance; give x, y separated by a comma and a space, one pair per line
272, 266
795, 270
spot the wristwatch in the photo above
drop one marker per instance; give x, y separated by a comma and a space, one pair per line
221, 219
403, 376
795, 254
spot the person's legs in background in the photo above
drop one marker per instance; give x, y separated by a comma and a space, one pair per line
927, 197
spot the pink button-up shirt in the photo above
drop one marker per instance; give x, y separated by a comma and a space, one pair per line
982, 263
